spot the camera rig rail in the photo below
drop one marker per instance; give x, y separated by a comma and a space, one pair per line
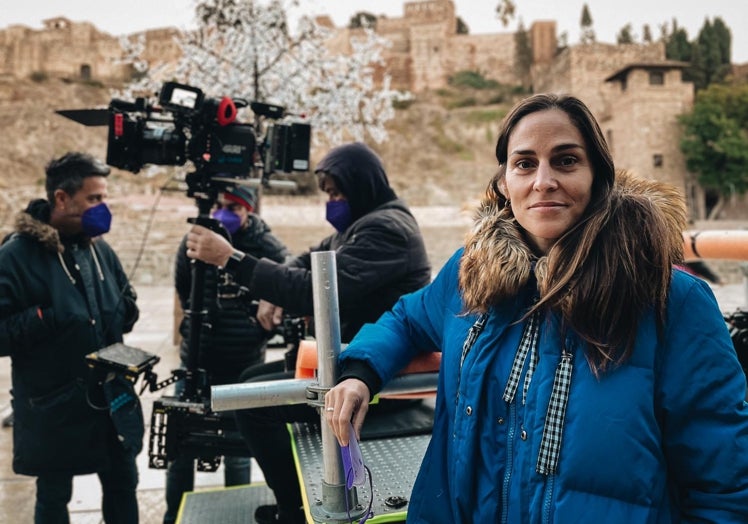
188, 427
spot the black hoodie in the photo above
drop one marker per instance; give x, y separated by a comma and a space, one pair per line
359, 175
379, 257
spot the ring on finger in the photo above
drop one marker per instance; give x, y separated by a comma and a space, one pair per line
330, 409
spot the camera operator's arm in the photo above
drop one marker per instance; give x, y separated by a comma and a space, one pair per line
208, 246
269, 315
288, 285
211, 248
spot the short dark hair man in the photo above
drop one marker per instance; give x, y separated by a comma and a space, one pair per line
64, 294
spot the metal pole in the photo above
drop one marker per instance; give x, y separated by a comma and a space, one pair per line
326, 316
250, 395
337, 502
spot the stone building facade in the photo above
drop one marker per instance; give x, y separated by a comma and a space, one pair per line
641, 122
62, 48
426, 48
77, 50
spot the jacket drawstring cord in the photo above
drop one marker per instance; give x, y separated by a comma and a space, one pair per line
65, 267
550, 445
96, 261
527, 345
472, 335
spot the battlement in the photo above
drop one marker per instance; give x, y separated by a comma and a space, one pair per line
430, 11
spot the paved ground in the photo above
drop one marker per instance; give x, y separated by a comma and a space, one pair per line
153, 333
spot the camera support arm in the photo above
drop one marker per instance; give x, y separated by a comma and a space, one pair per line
196, 380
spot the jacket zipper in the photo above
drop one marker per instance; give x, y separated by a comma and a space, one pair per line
547, 496
508, 470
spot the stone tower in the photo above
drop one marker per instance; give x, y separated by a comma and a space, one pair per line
646, 100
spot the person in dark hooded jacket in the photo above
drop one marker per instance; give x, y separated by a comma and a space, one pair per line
63, 295
380, 255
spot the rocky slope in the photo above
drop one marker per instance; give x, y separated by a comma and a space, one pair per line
434, 156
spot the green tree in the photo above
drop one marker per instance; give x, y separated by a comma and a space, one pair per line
462, 28
724, 40
677, 46
625, 35
715, 141
647, 34
522, 54
363, 19
587, 33
696, 72
505, 12
713, 44
708, 54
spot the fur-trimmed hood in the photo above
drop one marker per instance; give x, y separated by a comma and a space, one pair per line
34, 222
497, 261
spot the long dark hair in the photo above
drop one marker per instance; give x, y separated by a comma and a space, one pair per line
615, 263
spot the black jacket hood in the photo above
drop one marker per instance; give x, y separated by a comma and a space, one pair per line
360, 176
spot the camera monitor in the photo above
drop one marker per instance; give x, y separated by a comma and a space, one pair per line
180, 96
124, 359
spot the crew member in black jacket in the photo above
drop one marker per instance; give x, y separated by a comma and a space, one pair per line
63, 295
232, 339
380, 255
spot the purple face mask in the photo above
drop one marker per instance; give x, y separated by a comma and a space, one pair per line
338, 213
96, 220
230, 220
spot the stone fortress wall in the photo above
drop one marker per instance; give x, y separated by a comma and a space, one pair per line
632, 89
76, 50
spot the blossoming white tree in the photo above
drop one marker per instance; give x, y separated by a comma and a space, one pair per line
245, 49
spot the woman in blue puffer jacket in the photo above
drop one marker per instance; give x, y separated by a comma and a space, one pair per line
583, 379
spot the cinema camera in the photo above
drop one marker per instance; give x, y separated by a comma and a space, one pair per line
204, 131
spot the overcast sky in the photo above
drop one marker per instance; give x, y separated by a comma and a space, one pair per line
608, 16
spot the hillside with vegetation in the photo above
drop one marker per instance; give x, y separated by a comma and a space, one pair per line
439, 150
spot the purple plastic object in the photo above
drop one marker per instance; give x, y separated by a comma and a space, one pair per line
353, 462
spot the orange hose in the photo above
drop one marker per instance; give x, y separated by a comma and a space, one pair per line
720, 244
